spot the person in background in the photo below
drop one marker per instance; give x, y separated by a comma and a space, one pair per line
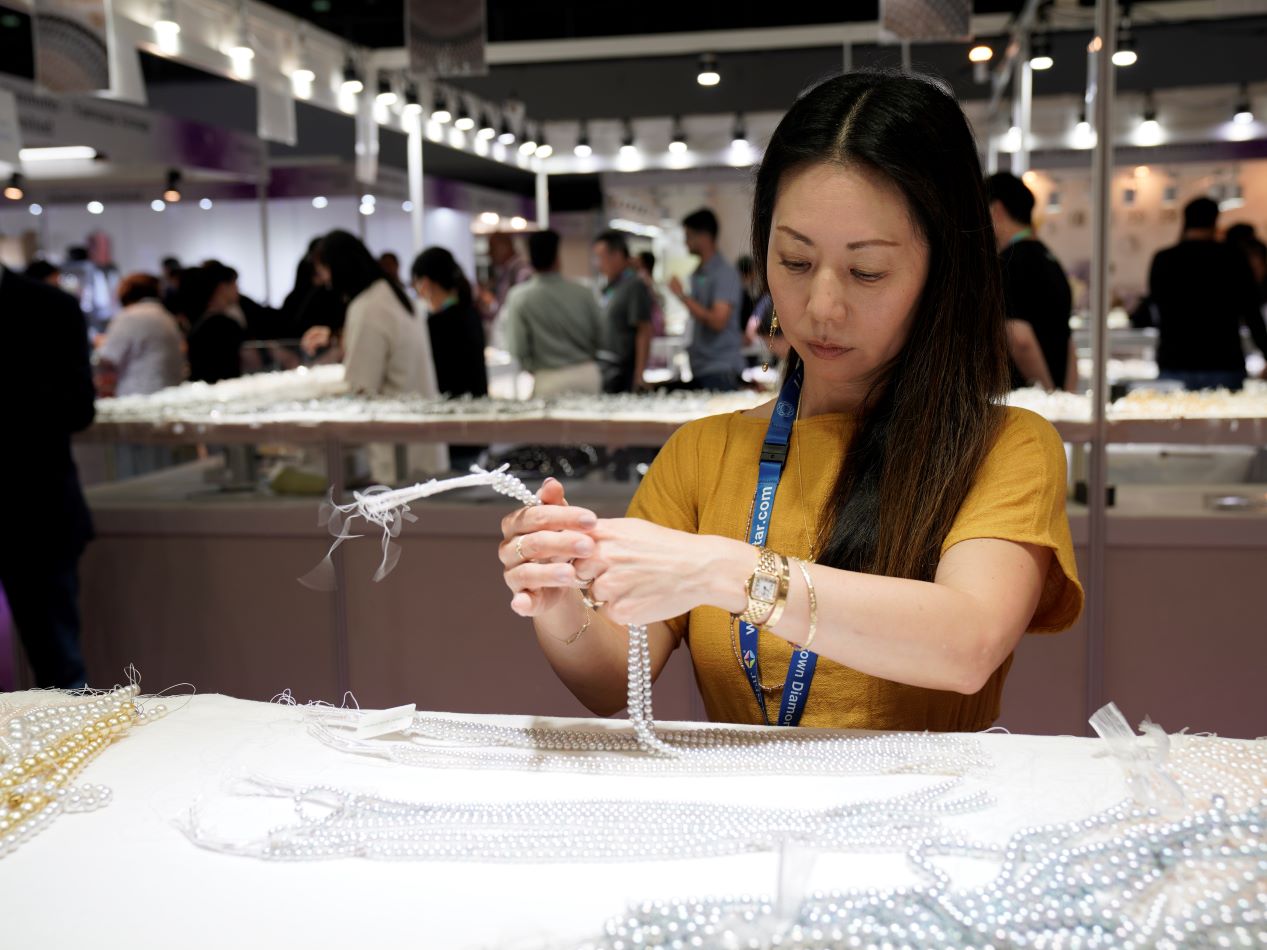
1036, 291
261, 322
457, 334
169, 283
508, 270
96, 280
141, 351
627, 312
47, 524
217, 329
644, 264
1204, 292
390, 264
385, 351
751, 291
309, 303
553, 326
43, 272
714, 301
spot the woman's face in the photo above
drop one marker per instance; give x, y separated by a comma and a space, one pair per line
846, 266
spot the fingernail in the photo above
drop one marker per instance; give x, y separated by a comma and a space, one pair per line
563, 574
588, 519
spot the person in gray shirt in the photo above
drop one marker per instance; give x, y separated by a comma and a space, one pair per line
627, 307
553, 326
714, 301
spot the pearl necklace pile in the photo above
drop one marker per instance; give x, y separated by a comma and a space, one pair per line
443, 742
334, 823
44, 747
1128, 877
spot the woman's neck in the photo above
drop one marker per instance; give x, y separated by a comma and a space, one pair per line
818, 397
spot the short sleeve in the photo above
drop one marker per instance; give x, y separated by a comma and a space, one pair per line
639, 304
669, 492
729, 287
1019, 495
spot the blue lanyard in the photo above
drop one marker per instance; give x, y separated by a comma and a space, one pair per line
800, 671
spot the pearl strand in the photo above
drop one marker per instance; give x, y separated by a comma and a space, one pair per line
43, 748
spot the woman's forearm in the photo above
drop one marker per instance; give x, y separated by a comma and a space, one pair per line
913, 632
593, 666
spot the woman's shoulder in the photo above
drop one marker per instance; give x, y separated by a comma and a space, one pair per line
1026, 438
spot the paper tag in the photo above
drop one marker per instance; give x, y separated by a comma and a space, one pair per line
382, 722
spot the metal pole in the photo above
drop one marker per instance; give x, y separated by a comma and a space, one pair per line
261, 190
1097, 482
416, 193
543, 199
906, 56
1025, 103
846, 58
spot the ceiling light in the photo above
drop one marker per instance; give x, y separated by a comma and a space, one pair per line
320, 202
58, 153
95, 207
627, 146
583, 149
981, 53
464, 121
440, 109
677, 144
544, 148
708, 74
1243, 113
412, 105
739, 137
172, 192
166, 29
487, 131
518, 223
489, 217
1040, 52
386, 94
36, 210
14, 190
352, 84
158, 204
205, 204
303, 75
507, 136
241, 51
407, 206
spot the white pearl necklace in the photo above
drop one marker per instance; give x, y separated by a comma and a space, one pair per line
44, 746
334, 823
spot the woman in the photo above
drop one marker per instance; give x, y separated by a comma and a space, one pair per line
142, 347
455, 329
929, 519
385, 351
209, 296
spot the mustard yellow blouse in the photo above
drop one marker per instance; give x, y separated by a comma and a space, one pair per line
703, 481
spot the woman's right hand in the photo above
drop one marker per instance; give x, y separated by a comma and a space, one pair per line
539, 544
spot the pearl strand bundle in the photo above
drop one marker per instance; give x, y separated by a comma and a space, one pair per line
1124, 878
44, 747
335, 823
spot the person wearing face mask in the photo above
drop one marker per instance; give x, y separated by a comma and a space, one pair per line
866, 550
455, 329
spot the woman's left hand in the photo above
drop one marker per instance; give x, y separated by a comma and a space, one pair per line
643, 572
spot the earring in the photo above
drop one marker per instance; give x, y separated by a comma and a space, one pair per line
774, 326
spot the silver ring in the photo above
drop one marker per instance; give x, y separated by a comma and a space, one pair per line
519, 541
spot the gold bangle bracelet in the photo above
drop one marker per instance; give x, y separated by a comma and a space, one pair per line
813, 604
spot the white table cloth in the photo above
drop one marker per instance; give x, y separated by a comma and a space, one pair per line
126, 876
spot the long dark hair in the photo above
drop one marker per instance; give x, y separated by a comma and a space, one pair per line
439, 266
352, 267
932, 414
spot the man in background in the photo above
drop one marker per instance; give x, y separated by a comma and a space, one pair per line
627, 309
1036, 294
552, 326
713, 302
1204, 292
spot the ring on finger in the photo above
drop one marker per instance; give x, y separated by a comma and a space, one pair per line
585, 581
589, 601
519, 548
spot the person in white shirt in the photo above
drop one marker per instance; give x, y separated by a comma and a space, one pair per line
386, 350
142, 349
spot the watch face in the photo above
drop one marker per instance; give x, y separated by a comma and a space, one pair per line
765, 588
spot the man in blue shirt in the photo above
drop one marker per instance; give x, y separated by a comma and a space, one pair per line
714, 300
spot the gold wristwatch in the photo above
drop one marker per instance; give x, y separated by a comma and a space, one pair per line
767, 589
